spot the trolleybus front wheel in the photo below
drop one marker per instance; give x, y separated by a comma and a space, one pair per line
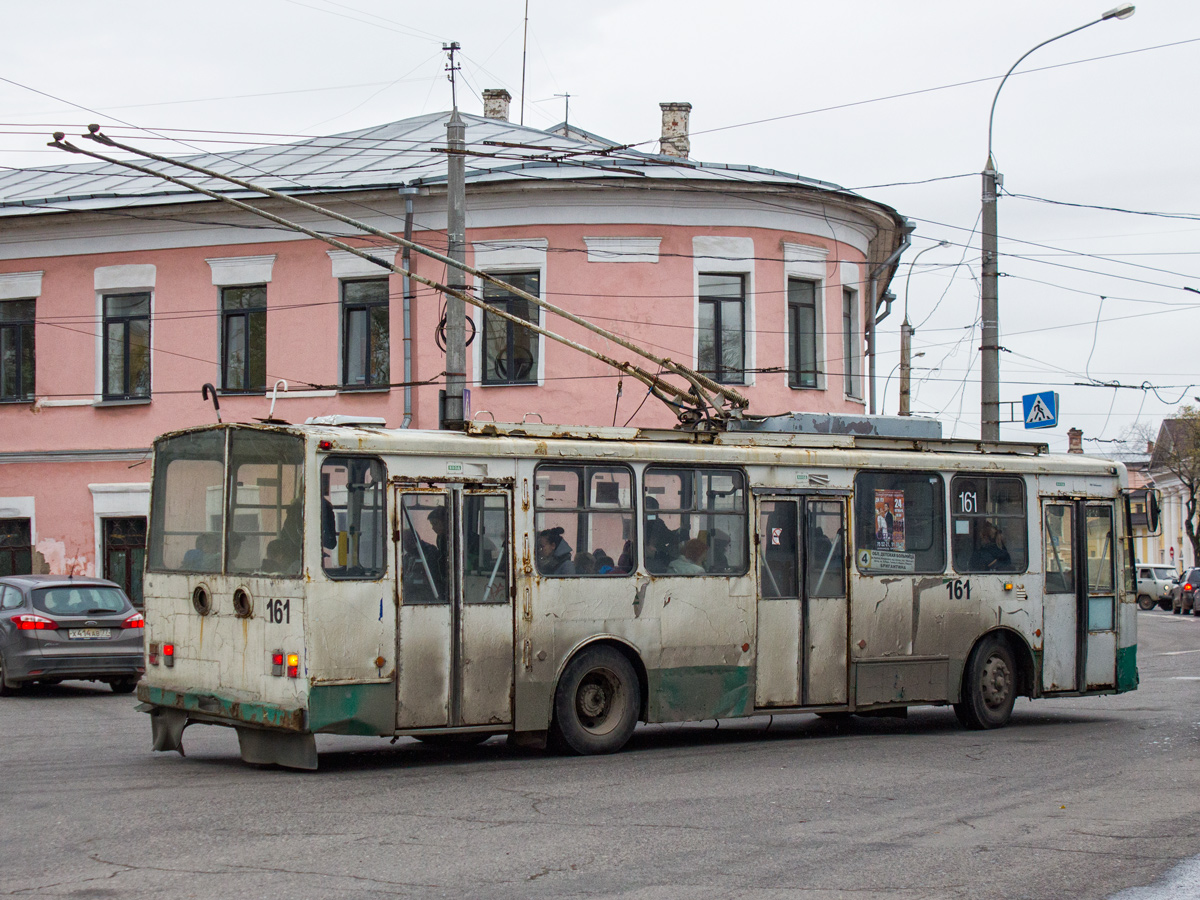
596, 704
989, 686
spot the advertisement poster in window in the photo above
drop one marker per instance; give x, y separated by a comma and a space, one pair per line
889, 519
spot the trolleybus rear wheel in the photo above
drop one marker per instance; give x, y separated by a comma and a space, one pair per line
596, 704
989, 686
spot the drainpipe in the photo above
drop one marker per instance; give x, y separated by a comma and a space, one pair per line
407, 192
873, 305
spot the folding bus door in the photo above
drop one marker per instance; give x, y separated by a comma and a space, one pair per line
455, 623
803, 612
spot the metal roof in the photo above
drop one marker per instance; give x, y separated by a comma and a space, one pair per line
408, 152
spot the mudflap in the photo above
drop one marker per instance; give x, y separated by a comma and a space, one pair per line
274, 748
166, 727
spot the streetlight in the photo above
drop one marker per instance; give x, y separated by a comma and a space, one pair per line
906, 333
903, 373
989, 376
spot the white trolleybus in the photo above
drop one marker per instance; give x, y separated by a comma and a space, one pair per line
564, 584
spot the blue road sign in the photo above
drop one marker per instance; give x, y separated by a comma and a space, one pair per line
1041, 409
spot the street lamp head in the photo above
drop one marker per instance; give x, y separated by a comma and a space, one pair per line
1124, 11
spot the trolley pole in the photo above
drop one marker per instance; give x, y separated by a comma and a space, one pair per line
453, 411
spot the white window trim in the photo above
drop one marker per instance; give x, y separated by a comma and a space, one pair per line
110, 501
236, 271
348, 266
21, 285
21, 508
806, 263
496, 258
851, 277
715, 254
132, 279
622, 249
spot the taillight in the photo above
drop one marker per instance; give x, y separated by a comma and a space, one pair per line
293, 665
277, 662
1187, 586
29, 622
137, 620
168, 652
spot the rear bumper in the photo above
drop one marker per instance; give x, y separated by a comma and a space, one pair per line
33, 667
214, 709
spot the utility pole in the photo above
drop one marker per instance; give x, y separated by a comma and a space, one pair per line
453, 412
905, 366
989, 374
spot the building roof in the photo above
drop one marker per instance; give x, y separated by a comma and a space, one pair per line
409, 152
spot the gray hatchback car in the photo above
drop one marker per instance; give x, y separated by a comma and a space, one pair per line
54, 628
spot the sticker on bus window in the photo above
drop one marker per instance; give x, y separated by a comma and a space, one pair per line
893, 561
776, 537
889, 519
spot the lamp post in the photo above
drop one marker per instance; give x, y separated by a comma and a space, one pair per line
989, 387
888, 380
906, 333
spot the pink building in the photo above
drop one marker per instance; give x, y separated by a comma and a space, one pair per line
122, 295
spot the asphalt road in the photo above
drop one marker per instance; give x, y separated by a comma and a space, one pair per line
1075, 799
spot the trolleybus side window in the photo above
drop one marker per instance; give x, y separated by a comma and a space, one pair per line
900, 522
353, 517
696, 521
826, 562
485, 536
989, 524
424, 548
189, 472
265, 525
1100, 553
584, 520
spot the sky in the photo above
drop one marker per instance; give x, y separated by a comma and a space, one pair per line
1095, 135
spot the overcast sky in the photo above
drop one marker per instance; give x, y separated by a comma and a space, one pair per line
868, 94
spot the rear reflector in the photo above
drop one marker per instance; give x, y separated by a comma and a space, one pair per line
152, 652
168, 651
28, 622
137, 620
293, 665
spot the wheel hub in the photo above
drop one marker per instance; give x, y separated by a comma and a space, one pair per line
996, 682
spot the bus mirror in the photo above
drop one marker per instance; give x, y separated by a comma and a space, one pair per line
1153, 511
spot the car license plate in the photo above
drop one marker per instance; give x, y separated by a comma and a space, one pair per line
89, 634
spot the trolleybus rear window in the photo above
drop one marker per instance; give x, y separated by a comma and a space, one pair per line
900, 522
265, 525
189, 472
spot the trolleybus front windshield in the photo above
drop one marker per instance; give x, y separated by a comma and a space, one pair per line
242, 518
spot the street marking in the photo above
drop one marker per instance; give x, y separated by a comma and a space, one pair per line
1178, 652
1184, 678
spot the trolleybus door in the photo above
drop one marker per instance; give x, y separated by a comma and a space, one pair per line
1080, 606
803, 611
455, 625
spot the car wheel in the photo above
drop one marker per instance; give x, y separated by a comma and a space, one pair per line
123, 685
1145, 602
1164, 604
6, 689
989, 686
596, 703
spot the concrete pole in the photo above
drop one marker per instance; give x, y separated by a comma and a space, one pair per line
989, 374
456, 233
905, 366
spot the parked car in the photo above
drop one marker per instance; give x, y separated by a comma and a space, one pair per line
1183, 593
1154, 583
54, 628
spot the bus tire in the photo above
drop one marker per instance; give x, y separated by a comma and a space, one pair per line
989, 687
596, 703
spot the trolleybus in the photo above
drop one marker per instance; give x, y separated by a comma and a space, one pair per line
562, 584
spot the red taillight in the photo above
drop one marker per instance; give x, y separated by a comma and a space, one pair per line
277, 662
168, 652
1187, 586
29, 622
137, 620
324, 445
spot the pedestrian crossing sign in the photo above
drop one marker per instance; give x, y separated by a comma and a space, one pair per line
1041, 409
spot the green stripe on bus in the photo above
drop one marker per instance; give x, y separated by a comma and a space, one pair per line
368, 709
237, 711
1127, 672
700, 692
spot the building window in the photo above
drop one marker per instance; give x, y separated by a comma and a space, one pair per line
802, 328
721, 348
126, 346
244, 338
16, 547
366, 351
850, 343
510, 351
125, 554
16, 350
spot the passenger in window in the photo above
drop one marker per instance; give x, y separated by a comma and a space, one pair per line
604, 563
659, 541
692, 561
626, 561
991, 553
206, 555
719, 558
585, 563
553, 553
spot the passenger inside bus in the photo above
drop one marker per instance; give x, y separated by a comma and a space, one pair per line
991, 554
553, 553
206, 555
691, 560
